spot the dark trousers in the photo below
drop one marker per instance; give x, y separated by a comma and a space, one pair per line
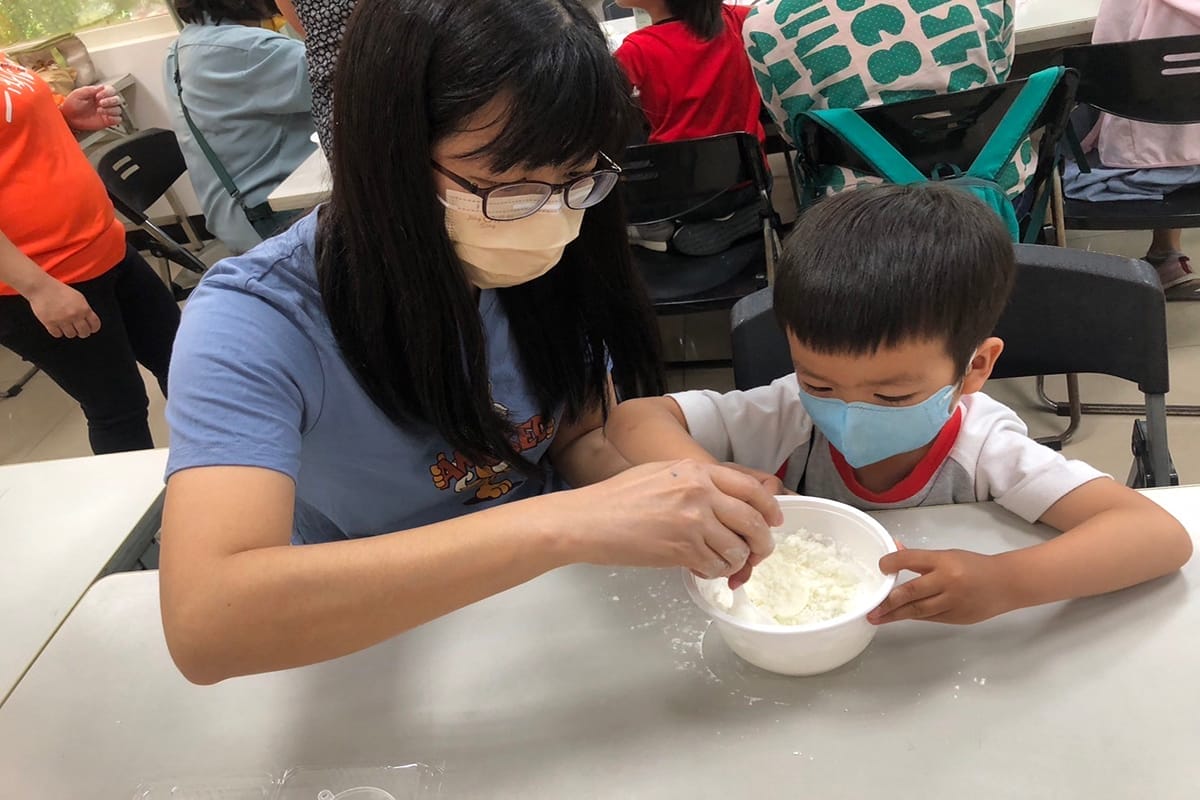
138, 320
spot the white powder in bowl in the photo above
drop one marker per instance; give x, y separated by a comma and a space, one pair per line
809, 578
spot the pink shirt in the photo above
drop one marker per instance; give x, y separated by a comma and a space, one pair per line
1126, 143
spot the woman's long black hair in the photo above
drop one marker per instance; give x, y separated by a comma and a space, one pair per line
412, 72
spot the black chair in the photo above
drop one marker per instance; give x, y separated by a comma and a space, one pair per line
614, 11
1059, 321
137, 171
19, 385
941, 131
697, 180
1152, 80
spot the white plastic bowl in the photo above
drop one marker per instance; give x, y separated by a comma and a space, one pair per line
821, 646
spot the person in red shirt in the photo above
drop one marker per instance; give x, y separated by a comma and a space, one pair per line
690, 70
75, 299
693, 79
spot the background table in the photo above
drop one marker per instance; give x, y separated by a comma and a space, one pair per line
592, 682
63, 524
1045, 24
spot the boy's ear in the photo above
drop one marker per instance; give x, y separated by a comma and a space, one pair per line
980, 368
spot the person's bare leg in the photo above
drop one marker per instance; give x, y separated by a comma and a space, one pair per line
1174, 271
1166, 241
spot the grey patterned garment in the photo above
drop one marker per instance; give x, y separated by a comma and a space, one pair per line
324, 24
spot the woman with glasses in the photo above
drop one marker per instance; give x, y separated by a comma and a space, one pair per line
407, 381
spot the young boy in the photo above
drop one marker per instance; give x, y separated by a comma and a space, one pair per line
889, 296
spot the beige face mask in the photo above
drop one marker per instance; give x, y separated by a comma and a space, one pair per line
500, 254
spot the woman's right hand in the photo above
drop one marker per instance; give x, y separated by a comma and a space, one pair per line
62, 310
710, 519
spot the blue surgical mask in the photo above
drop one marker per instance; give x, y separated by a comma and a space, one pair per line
865, 433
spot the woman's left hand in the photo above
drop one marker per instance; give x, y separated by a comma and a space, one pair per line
92, 108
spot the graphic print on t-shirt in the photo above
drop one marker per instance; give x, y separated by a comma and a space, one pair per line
488, 479
14, 80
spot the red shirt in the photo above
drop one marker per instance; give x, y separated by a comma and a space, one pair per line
53, 206
690, 88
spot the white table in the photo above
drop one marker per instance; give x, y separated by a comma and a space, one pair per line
592, 682
62, 525
309, 185
1041, 24
1048, 24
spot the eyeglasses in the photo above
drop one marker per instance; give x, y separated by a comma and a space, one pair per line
512, 201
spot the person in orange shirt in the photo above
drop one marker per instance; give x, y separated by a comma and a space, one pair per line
75, 299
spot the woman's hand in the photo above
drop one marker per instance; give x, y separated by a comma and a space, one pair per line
92, 108
710, 519
63, 311
769, 482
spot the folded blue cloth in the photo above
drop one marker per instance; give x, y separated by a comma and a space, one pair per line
1105, 184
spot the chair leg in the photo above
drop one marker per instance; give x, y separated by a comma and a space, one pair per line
185, 258
1156, 440
1057, 210
1073, 410
793, 178
1063, 409
771, 248
15, 389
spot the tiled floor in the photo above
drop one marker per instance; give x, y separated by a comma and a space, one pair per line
43, 423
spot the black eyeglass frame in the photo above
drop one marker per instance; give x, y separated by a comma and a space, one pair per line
551, 189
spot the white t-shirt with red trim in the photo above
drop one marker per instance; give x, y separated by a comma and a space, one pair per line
983, 453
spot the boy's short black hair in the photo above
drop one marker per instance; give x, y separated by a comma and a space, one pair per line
877, 266
703, 17
225, 10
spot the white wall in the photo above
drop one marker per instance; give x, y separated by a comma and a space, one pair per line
139, 48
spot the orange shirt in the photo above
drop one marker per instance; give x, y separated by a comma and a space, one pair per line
53, 206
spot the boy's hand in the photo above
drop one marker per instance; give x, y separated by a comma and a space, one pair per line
955, 586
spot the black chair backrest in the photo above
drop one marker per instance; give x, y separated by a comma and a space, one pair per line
1076, 311
1151, 80
614, 11
1071, 311
669, 180
760, 349
944, 129
138, 170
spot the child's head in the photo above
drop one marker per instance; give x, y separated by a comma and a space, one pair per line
702, 17
890, 294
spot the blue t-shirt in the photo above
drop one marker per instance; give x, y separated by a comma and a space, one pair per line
257, 380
